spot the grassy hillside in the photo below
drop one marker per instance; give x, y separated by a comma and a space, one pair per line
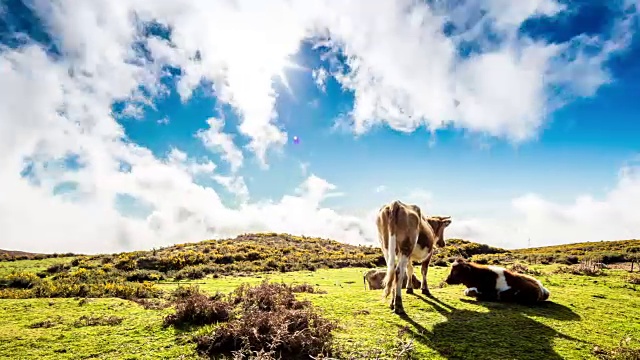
134, 274
607, 252
144, 305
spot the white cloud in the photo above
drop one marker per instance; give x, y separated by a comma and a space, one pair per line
320, 77
404, 71
234, 185
545, 222
317, 189
407, 73
380, 188
217, 141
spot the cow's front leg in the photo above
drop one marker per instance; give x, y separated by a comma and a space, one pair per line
471, 292
409, 277
424, 269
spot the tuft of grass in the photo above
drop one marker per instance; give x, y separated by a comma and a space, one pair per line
85, 320
184, 291
583, 268
624, 351
56, 268
524, 269
307, 288
152, 304
633, 279
43, 324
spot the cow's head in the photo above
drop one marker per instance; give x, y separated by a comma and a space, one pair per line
459, 272
438, 224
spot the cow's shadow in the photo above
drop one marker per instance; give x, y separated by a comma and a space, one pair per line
500, 331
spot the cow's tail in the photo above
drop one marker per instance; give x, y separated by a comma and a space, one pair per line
364, 279
393, 218
390, 277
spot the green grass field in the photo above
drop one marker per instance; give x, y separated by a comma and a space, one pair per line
583, 313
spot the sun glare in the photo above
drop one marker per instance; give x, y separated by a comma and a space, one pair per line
280, 72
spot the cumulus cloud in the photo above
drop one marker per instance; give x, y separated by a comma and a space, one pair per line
545, 222
217, 141
320, 77
407, 73
58, 129
235, 185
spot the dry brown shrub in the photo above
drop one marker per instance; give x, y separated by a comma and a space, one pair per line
633, 279
307, 288
272, 324
524, 269
152, 304
199, 309
624, 351
583, 268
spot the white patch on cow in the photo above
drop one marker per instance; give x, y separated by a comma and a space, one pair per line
455, 263
391, 251
420, 254
469, 290
501, 281
543, 290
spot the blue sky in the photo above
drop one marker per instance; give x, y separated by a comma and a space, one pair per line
519, 120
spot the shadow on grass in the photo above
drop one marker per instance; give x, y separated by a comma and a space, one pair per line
547, 309
504, 332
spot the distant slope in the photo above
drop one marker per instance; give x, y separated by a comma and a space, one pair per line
608, 252
583, 248
16, 253
247, 253
284, 252
13, 255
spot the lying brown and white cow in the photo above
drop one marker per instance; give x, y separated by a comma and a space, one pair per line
404, 232
494, 283
374, 278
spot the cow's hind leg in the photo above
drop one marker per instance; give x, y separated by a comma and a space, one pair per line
401, 270
409, 277
424, 268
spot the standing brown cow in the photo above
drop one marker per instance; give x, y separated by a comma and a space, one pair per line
404, 232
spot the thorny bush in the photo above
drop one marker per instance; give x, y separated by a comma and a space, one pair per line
265, 319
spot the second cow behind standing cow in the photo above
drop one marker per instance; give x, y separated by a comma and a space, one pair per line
374, 278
